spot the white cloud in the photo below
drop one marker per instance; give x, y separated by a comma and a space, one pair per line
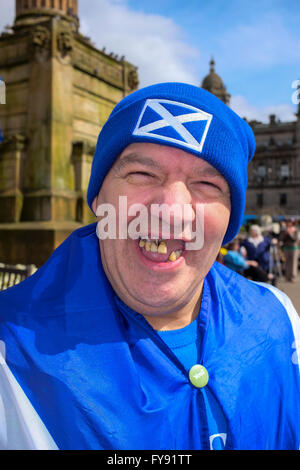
154, 43
241, 106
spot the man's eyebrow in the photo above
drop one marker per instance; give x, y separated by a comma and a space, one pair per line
135, 158
207, 171
210, 171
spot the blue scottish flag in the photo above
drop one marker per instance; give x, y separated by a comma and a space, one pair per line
80, 370
175, 122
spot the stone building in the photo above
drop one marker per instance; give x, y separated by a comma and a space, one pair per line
274, 172
60, 91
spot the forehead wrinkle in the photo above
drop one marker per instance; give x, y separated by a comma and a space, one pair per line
207, 171
125, 160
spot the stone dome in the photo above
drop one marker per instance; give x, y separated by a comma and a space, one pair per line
214, 84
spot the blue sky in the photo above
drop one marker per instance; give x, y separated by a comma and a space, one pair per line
255, 44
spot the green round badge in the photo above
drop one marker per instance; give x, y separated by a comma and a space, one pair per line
198, 376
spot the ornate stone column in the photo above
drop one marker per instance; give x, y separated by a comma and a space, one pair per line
11, 168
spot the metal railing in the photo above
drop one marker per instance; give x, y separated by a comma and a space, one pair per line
12, 275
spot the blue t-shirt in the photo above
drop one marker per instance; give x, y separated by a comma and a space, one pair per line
183, 343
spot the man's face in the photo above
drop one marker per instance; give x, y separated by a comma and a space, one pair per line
147, 281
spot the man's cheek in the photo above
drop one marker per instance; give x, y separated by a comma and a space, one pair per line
215, 224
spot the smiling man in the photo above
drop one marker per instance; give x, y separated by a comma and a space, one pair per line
150, 174
131, 338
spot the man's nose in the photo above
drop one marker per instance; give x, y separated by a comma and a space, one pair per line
175, 193
177, 197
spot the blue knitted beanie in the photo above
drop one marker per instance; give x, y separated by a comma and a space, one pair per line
185, 117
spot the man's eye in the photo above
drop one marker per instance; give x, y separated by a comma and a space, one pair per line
140, 177
208, 183
140, 174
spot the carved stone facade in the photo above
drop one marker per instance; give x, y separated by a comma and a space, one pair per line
60, 91
274, 173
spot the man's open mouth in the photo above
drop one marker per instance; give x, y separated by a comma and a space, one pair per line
160, 250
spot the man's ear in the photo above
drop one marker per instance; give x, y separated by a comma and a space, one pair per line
94, 205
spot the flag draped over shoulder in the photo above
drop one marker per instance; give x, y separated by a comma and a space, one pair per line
79, 372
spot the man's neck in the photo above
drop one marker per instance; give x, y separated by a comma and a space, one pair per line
177, 319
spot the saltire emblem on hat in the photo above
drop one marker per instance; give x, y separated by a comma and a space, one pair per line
174, 122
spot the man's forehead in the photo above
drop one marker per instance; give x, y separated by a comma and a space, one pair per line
152, 155
128, 158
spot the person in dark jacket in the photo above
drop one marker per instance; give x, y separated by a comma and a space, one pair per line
257, 249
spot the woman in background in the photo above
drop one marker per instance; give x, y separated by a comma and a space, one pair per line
257, 249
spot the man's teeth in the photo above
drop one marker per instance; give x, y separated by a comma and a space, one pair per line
162, 248
155, 246
175, 255
159, 247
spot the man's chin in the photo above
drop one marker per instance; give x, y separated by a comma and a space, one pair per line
157, 301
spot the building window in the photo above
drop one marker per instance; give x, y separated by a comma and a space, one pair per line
259, 200
282, 199
284, 171
261, 172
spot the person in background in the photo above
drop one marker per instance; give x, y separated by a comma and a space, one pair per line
235, 260
257, 249
290, 246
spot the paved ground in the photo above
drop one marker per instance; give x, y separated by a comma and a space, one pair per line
292, 289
